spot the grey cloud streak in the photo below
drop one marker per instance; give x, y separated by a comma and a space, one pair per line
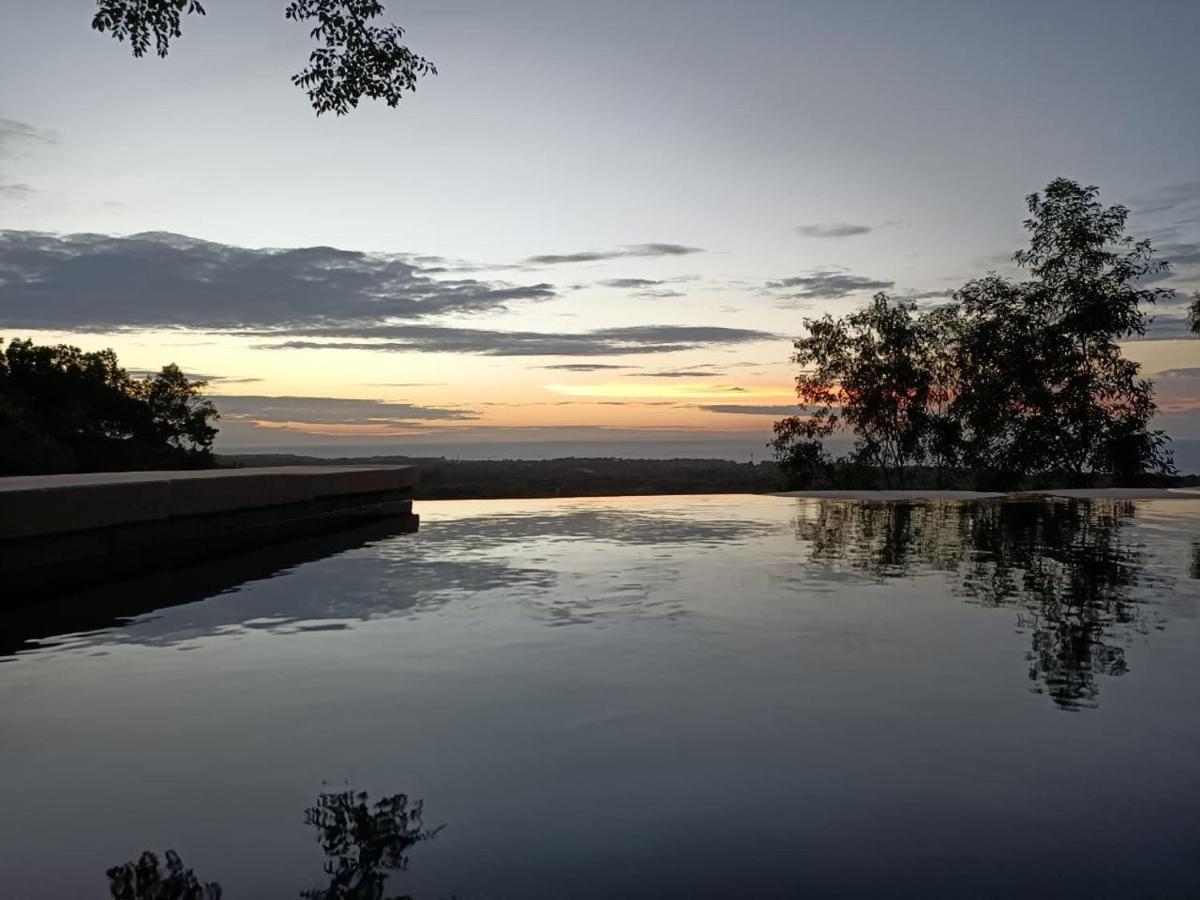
832, 230
630, 283
13, 133
584, 367
827, 284
94, 282
636, 339
750, 409
16, 190
330, 410
551, 259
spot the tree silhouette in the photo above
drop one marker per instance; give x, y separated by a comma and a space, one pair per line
874, 371
1044, 387
354, 59
63, 410
1015, 381
1194, 314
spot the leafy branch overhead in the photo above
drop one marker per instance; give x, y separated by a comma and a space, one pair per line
354, 57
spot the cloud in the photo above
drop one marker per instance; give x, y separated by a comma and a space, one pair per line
750, 409
694, 372
93, 282
1169, 198
1177, 390
550, 259
1167, 328
827, 284
1181, 253
630, 283
331, 411
832, 230
404, 384
914, 296
14, 133
635, 339
195, 376
584, 367
15, 190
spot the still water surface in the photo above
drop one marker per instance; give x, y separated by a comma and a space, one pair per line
650, 697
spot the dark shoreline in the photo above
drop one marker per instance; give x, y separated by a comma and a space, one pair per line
451, 479
447, 479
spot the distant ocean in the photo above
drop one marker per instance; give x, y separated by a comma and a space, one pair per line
741, 449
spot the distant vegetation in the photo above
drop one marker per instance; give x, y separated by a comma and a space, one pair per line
63, 410
448, 479
1010, 384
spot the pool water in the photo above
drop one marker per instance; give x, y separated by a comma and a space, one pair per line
635, 697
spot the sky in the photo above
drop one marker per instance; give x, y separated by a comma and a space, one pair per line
599, 223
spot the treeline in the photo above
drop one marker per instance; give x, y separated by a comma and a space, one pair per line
64, 410
452, 479
1009, 384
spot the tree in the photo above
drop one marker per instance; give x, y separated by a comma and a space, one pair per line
64, 410
873, 372
354, 59
1044, 387
178, 415
1194, 314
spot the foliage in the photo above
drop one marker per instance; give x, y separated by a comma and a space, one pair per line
799, 451
354, 59
1017, 382
146, 880
137, 21
875, 372
63, 410
357, 60
1194, 314
1044, 386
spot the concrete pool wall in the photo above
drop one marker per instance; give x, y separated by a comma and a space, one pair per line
59, 532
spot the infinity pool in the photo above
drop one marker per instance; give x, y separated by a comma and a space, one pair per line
652, 697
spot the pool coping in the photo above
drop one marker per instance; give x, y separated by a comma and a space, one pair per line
64, 532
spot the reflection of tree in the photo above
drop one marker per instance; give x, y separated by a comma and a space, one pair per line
364, 843
1065, 566
146, 880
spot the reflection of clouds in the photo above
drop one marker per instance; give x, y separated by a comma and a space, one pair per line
557, 563
1082, 579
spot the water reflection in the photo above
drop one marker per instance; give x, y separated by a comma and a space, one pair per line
112, 604
146, 879
1067, 567
364, 843
363, 576
1075, 573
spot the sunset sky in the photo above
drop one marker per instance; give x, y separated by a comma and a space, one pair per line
599, 222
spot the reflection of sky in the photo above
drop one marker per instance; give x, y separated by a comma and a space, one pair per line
583, 560
724, 687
